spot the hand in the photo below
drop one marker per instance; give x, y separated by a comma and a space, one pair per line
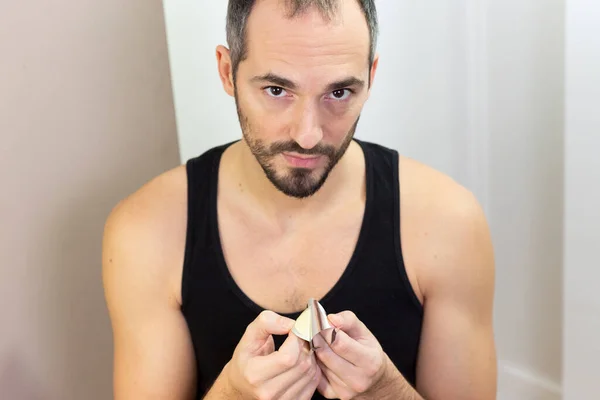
257, 371
351, 359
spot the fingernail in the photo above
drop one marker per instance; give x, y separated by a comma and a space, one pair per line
334, 318
285, 322
318, 341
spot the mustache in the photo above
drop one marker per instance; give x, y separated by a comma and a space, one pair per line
294, 147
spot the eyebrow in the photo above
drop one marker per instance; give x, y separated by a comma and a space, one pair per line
287, 83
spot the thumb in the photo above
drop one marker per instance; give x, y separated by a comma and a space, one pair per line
292, 345
266, 324
349, 323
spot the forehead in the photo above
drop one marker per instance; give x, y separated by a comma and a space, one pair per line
307, 43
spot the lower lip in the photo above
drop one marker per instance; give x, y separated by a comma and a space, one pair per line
299, 162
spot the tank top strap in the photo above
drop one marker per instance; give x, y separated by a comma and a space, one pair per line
202, 182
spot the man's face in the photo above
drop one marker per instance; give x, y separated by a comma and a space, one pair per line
300, 92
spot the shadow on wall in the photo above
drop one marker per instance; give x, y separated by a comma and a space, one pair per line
15, 381
90, 119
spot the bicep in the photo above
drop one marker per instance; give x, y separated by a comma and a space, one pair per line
457, 357
153, 354
153, 357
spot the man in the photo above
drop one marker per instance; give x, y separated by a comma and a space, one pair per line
207, 266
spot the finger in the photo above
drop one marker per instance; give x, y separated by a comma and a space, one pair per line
309, 390
336, 363
294, 347
332, 386
305, 387
266, 324
282, 383
349, 349
267, 348
349, 323
325, 387
274, 364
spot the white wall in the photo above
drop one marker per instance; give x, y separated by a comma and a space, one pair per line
419, 97
206, 116
582, 202
525, 50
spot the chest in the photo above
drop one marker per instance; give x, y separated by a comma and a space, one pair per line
281, 268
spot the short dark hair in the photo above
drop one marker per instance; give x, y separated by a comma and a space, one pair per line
239, 11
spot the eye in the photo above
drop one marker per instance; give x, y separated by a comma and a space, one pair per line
275, 91
341, 94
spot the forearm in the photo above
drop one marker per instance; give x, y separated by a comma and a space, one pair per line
393, 386
222, 390
398, 390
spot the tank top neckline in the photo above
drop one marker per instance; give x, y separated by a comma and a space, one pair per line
222, 263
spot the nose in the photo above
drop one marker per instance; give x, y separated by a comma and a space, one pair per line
307, 131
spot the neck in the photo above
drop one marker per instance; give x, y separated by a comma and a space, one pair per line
341, 183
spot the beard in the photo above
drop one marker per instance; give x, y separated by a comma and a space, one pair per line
295, 182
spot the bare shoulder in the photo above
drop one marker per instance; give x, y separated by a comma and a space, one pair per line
147, 230
445, 235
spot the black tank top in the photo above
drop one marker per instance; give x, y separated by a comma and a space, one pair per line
374, 284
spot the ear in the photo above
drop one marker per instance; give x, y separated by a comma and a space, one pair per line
225, 69
373, 71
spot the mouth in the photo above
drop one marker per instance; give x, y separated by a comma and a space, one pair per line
302, 160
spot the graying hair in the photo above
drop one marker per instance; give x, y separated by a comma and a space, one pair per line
239, 11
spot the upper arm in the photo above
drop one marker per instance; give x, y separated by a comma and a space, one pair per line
454, 258
153, 356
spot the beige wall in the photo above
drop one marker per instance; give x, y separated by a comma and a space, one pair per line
86, 116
